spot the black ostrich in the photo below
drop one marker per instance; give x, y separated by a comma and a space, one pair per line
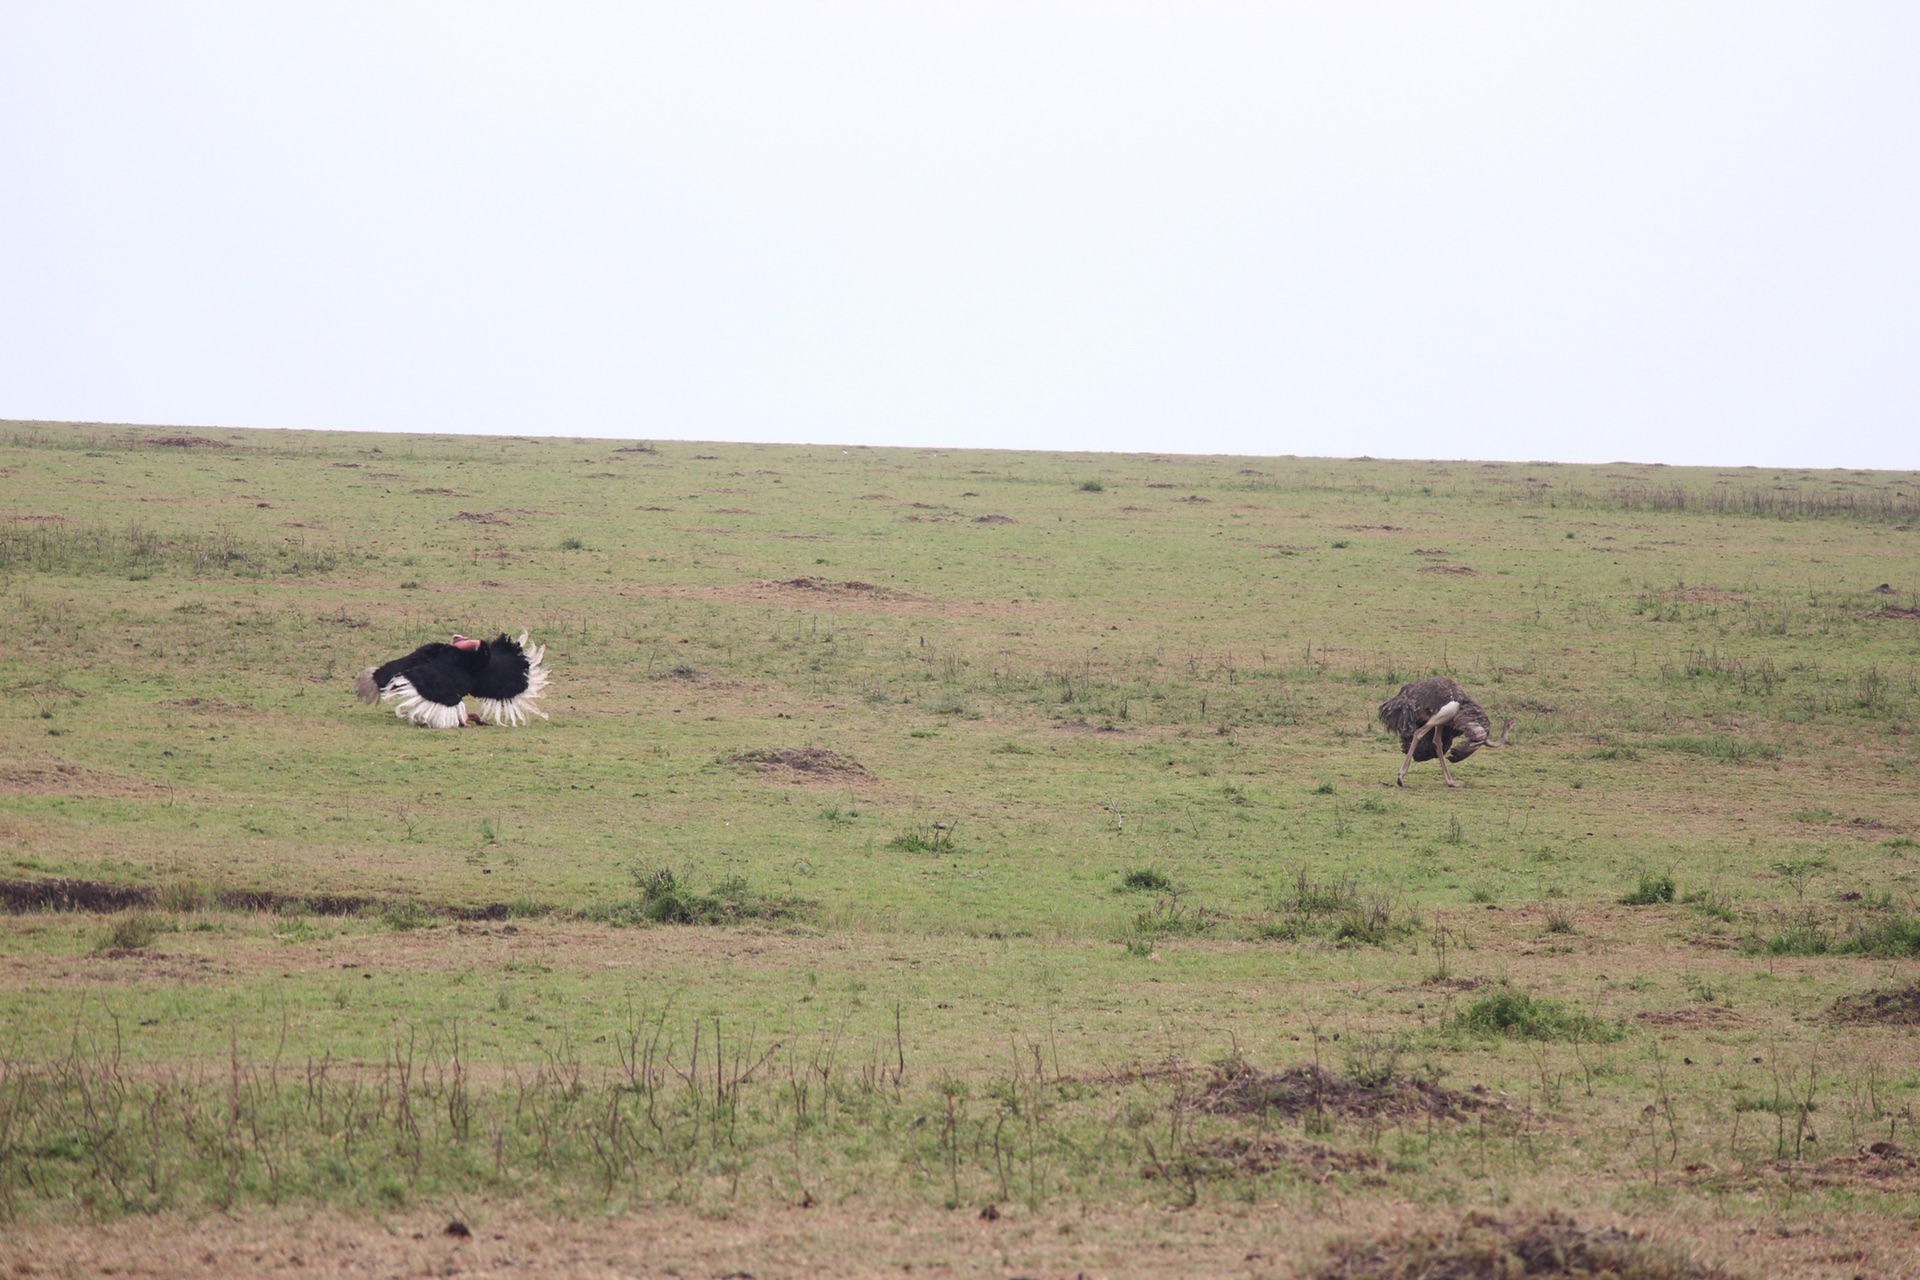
1436, 718
430, 685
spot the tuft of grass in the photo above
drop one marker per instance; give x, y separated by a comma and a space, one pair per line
667, 897
572, 544
1092, 486
1652, 890
134, 931
1510, 1011
405, 915
1145, 880
1721, 747
1894, 937
1715, 904
1171, 916
934, 838
1336, 909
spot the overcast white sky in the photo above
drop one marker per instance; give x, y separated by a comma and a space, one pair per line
1663, 232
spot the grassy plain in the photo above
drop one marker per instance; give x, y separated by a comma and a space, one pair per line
1040, 825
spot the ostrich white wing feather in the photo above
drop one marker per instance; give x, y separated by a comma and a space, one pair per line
408, 704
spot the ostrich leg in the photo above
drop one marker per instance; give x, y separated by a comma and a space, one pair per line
1407, 763
1443, 716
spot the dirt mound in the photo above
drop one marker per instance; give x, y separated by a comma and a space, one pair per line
1895, 611
1239, 1089
1899, 1008
1261, 1154
1484, 1248
803, 764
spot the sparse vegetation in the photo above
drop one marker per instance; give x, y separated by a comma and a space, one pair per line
975, 854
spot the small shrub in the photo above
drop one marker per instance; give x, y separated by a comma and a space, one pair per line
1509, 1011
1559, 920
572, 544
1146, 880
1092, 486
134, 931
1652, 890
666, 897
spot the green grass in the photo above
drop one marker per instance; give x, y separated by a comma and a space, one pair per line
948, 756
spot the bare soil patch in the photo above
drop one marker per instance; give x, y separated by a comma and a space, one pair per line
1459, 570
1693, 1015
1239, 1156
997, 519
1239, 1089
820, 586
1900, 1008
482, 517
1897, 611
61, 779
803, 764
1485, 1248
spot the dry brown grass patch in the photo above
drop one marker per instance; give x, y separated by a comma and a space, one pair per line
61, 779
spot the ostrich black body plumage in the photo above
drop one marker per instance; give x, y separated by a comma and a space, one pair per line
430, 685
1435, 719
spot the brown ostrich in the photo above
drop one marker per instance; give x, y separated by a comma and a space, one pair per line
1436, 718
